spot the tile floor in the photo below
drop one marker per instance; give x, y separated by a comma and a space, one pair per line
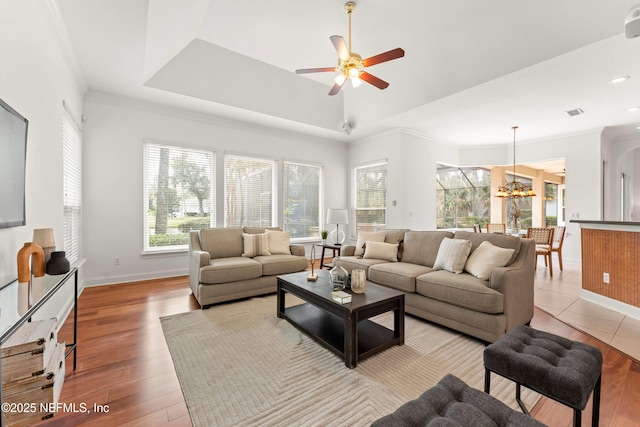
560, 296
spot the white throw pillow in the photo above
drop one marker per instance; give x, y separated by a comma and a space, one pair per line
486, 258
368, 236
381, 250
255, 245
452, 255
279, 242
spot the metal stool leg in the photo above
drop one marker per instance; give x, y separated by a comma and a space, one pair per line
520, 402
595, 418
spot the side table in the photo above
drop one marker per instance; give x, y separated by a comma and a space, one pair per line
325, 246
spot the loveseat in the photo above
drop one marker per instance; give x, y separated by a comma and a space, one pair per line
453, 279
230, 263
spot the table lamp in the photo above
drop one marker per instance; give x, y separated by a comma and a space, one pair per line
337, 217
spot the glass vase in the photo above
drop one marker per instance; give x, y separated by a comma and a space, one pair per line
339, 276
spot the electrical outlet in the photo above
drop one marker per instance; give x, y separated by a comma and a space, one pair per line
605, 277
116, 261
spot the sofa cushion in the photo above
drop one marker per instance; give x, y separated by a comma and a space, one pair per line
395, 236
397, 275
259, 230
501, 240
421, 247
486, 258
230, 269
368, 236
452, 255
352, 262
381, 250
255, 245
282, 264
221, 242
279, 242
462, 290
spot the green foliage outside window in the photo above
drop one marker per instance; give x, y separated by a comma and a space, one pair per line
463, 197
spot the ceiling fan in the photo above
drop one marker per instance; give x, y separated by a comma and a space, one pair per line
351, 65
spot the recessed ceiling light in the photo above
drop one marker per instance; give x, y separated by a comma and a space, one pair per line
632, 109
620, 79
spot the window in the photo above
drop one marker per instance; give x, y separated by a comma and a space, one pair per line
371, 197
523, 203
72, 187
249, 188
301, 194
463, 197
551, 208
178, 194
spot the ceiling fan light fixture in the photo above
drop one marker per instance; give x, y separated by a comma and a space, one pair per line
350, 64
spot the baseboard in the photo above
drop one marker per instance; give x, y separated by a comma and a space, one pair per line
138, 277
619, 306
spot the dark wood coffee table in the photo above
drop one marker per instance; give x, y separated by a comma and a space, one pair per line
344, 329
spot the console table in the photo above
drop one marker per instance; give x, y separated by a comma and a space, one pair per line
43, 289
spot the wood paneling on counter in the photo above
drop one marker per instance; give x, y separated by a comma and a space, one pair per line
616, 253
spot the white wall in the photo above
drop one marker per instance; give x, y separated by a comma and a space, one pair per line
113, 148
412, 160
583, 180
620, 157
34, 79
411, 169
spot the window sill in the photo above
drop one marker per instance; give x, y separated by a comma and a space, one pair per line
164, 253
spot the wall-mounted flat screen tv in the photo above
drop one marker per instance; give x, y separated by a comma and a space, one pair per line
13, 158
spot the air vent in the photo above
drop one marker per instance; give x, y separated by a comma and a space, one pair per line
575, 112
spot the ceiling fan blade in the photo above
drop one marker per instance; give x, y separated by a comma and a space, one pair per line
383, 57
336, 88
373, 80
341, 47
315, 70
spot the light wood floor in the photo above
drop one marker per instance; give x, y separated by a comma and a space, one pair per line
123, 362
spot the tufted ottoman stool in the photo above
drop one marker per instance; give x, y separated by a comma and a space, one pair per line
561, 369
452, 403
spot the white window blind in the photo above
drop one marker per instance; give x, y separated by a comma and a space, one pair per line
179, 188
371, 197
301, 194
249, 189
72, 187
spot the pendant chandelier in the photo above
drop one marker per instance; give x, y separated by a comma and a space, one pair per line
514, 189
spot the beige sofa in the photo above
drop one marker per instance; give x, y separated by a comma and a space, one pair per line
485, 309
219, 272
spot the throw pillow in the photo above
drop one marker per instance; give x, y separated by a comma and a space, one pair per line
279, 242
255, 245
368, 236
381, 250
486, 258
452, 255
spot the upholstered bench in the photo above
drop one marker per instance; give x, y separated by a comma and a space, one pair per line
452, 403
556, 367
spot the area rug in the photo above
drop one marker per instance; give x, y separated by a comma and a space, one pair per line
239, 365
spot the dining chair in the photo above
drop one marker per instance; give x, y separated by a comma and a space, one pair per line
558, 239
544, 241
477, 228
496, 228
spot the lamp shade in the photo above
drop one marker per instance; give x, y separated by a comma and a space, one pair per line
337, 216
44, 237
